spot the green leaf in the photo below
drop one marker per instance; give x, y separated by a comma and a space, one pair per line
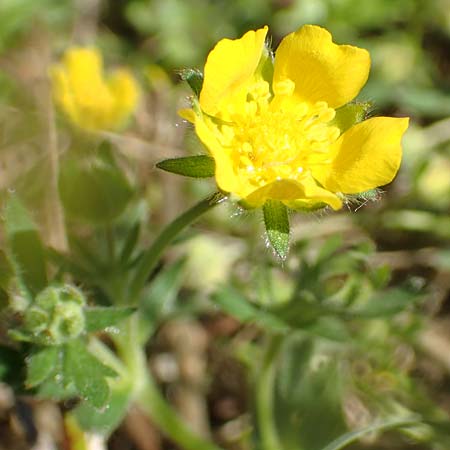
101, 317
200, 166
87, 373
194, 78
276, 221
233, 303
159, 299
353, 436
106, 420
330, 328
387, 303
27, 252
329, 248
41, 364
351, 114
93, 190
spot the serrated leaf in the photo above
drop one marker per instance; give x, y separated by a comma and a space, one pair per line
26, 248
87, 373
106, 420
199, 166
101, 317
276, 220
351, 114
41, 365
57, 386
194, 78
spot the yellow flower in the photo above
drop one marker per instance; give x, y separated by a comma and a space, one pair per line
268, 122
89, 99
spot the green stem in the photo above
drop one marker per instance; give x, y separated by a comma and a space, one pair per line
146, 392
151, 257
148, 396
265, 387
153, 403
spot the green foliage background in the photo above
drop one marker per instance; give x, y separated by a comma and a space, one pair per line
362, 302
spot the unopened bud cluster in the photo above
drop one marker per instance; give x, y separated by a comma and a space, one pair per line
56, 316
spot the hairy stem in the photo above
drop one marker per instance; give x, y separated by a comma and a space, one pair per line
153, 254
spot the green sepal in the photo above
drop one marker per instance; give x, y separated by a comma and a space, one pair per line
194, 78
200, 166
276, 220
351, 114
362, 198
265, 66
307, 207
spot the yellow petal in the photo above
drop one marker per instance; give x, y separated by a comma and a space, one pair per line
367, 155
125, 90
84, 67
321, 69
225, 176
229, 70
294, 194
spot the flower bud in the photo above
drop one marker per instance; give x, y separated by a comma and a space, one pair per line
56, 316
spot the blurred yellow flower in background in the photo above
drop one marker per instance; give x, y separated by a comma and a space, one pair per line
269, 122
91, 100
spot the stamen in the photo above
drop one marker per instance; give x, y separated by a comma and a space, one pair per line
281, 141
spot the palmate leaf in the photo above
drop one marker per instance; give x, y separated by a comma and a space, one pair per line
87, 374
199, 166
69, 371
107, 419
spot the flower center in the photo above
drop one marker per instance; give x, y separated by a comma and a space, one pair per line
279, 139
